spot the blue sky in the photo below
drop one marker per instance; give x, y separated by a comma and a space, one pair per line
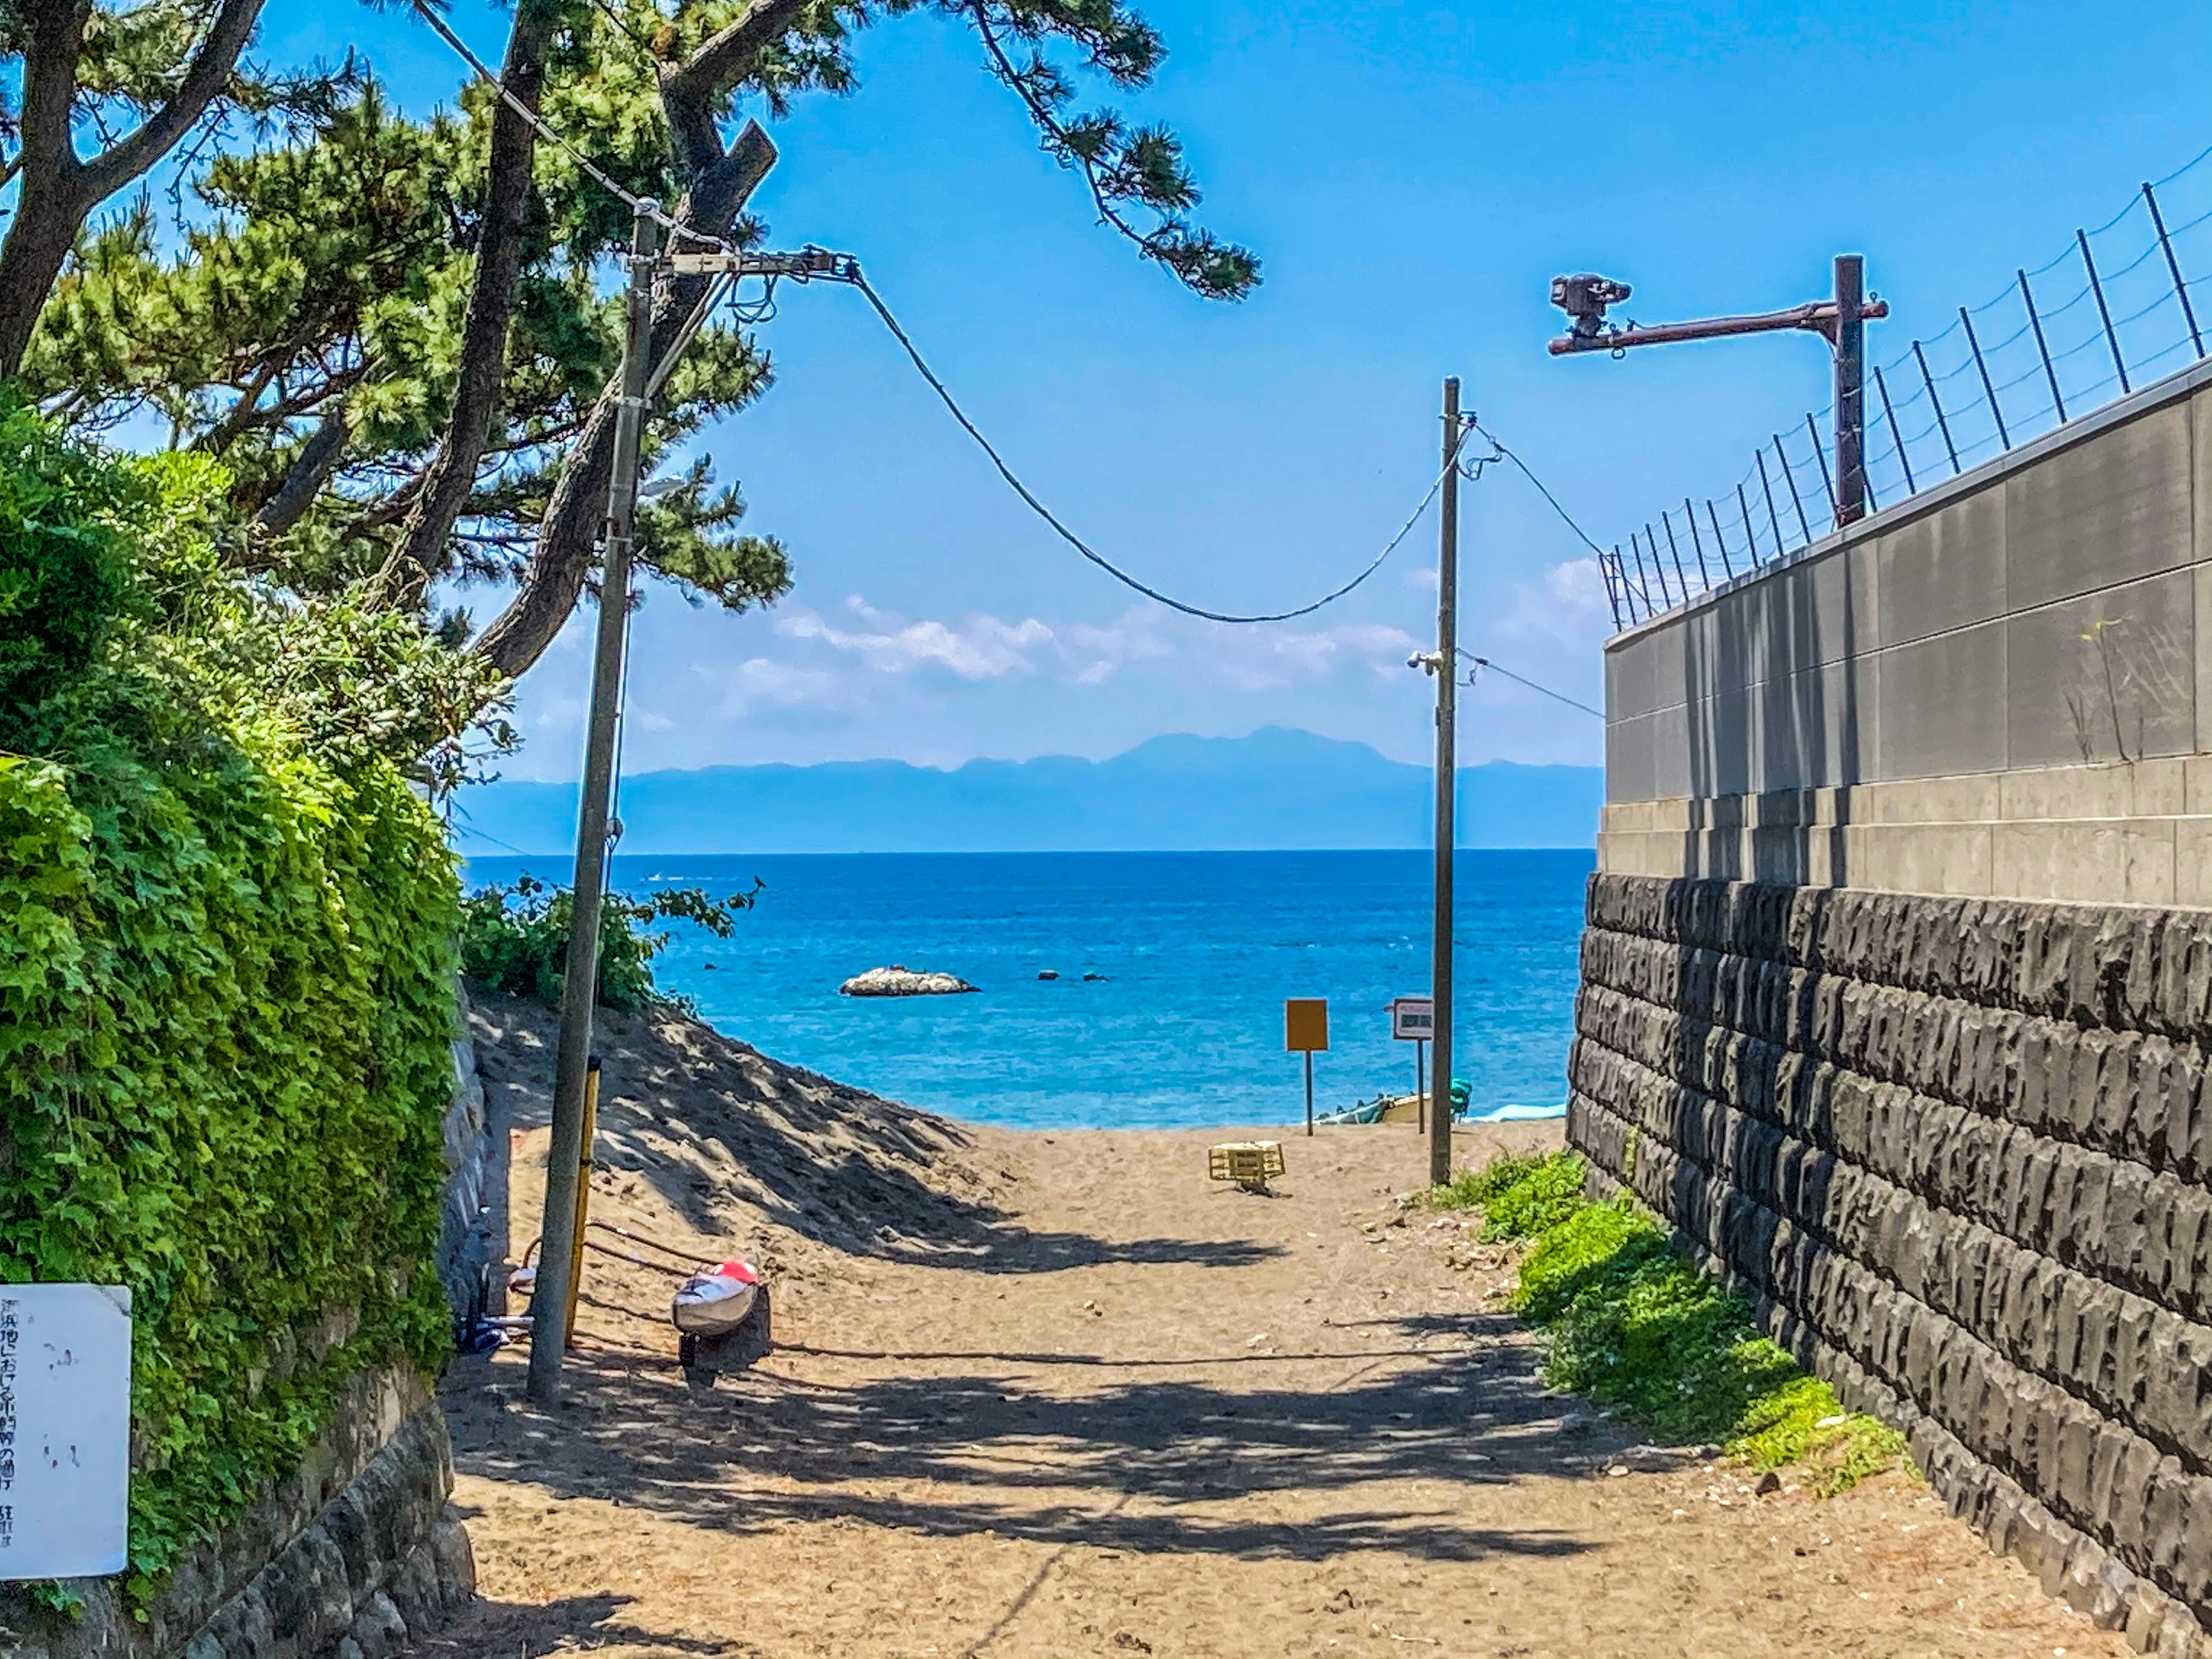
1411, 176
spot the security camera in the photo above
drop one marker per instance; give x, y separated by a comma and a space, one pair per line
1584, 298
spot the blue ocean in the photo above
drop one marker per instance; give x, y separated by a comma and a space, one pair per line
1194, 953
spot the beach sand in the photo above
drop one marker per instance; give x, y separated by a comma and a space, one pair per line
1044, 1394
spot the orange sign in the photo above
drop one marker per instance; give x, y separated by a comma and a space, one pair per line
1305, 1024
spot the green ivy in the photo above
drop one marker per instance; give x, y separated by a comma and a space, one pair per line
225, 969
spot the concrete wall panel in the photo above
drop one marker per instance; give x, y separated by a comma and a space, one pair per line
2109, 675
1941, 705
2106, 510
2039, 549
1632, 758
1649, 673
1944, 570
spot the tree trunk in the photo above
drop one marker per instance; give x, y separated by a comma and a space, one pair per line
318, 458
50, 205
58, 190
567, 536
420, 557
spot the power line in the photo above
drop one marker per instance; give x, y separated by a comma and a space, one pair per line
639, 204
1565, 517
1556, 696
1100, 560
553, 135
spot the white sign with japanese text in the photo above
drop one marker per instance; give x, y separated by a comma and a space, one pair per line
64, 1429
1414, 1020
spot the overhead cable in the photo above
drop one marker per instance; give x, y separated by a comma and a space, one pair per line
640, 204
553, 135
1556, 696
1565, 517
1100, 560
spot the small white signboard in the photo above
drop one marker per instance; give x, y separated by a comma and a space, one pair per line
1414, 1020
64, 1429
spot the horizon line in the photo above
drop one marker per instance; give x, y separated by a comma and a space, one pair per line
1021, 852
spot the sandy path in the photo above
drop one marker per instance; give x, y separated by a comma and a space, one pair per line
1104, 1407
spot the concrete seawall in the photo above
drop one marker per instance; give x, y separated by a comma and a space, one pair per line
1897, 989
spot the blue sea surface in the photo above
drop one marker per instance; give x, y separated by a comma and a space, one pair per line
1196, 951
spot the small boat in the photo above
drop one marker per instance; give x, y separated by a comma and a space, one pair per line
1368, 1111
1387, 1107
716, 1301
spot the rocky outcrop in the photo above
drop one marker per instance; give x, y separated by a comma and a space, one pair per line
898, 981
1956, 1152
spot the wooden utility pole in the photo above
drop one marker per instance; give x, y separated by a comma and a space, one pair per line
1851, 389
549, 1305
1440, 946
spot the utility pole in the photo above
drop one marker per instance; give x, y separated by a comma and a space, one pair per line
549, 1305
1851, 389
1841, 320
1447, 667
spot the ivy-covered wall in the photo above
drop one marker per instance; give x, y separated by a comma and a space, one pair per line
225, 998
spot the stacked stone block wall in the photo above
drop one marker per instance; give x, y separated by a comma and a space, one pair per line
1956, 1152
356, 1556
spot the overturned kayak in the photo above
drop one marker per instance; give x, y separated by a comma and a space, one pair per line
716, 1301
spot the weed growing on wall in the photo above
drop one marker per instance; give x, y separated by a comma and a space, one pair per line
1632, 1324
226, 970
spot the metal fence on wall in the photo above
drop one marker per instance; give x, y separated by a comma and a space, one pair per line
2112, 310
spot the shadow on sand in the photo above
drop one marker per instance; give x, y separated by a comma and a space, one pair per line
999, 1454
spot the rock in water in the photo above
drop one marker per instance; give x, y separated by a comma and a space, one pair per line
896, 982
1047, 973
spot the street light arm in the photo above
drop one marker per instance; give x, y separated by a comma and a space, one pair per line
1818, 317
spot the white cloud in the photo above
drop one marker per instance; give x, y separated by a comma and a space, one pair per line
1258, 657
980, 647
829, 663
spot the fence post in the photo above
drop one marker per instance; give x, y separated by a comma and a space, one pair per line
1937, 403
1639, 587
2112, 337
1720, 539
1827, 482
1766, 488
1697, 542
1790, 478
2043, 347
1675, 551
1750, 535
1658, 569
1982, 367
1896, 432
2173, 266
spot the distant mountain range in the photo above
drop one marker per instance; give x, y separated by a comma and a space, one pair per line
1275, 789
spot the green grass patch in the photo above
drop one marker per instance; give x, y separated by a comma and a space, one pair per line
1633, 1325
1521, 1194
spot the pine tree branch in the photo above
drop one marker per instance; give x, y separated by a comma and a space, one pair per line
212, 68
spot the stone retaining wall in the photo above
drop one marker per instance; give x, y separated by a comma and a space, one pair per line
352, 1557
465, 1242
1956, 1150
357, 1554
